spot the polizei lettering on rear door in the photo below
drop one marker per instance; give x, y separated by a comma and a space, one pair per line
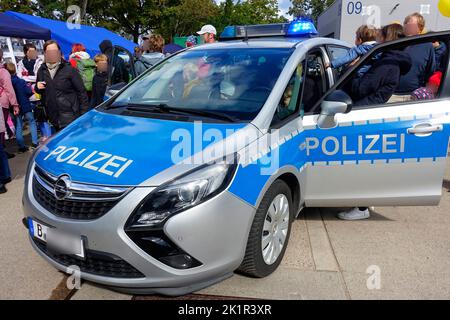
361, 145
98, 161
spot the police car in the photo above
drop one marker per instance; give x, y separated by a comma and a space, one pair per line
198, 167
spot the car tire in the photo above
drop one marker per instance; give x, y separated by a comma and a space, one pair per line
257, 261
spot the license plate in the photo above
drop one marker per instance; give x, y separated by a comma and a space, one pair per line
57, 240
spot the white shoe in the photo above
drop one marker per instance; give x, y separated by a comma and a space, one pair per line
354, 214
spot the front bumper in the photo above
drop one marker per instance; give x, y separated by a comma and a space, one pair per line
214, 232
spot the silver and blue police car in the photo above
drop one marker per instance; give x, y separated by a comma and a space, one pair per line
197, 168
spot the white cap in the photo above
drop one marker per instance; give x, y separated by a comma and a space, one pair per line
207, 28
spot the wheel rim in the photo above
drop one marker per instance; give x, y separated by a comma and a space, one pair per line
276, 225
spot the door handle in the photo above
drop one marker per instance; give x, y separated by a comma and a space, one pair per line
425, 129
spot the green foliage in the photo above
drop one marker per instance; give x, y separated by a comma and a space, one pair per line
312, 8
132, 18
25, 6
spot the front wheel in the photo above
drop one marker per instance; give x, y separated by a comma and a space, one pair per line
270, 232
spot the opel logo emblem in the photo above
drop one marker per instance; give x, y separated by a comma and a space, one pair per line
62, 187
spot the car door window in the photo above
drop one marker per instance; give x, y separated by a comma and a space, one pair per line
289, 102
121, 66
336, 52
316, 80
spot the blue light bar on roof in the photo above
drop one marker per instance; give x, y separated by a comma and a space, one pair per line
302, 27
228, 32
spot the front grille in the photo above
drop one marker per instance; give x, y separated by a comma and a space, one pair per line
96, 263
85, 202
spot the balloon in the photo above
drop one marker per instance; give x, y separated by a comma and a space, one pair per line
444, 7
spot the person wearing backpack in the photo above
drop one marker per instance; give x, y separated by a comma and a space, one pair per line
81, 60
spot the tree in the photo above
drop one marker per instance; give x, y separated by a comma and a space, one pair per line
132, 17
24, 6
312, 8
248, 12
187, 17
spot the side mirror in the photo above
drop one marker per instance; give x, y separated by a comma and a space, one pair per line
336, 102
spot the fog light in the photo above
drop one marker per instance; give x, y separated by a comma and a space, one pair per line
179, 261
159, 246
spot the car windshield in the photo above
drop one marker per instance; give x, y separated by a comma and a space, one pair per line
233, 82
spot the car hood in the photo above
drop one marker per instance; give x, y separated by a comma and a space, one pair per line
106, 149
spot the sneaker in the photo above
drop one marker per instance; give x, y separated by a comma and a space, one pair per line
5, 181
10, 155
2, 188
34, 146
354, 214
23, 150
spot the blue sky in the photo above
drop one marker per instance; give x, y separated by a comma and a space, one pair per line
282, 4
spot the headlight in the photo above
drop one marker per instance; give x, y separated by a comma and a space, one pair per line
183, 193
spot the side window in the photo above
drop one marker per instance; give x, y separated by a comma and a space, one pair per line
289, 103
336, 52
121, 66
400, 73
316, 80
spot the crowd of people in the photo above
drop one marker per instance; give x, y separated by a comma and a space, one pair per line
51, 93
48, 94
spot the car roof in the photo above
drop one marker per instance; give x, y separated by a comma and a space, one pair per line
272, 42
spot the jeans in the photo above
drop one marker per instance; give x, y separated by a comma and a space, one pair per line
5, 172
45, 128
18, 122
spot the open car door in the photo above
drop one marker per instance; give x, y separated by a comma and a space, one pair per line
121, 71
380, 154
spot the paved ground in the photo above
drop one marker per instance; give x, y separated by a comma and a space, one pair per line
326, 258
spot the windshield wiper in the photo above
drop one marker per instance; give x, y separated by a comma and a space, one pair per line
123, 105
165, 108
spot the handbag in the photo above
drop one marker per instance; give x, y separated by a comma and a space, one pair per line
39, 112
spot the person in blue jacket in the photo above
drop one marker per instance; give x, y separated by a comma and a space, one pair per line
365, 40
23, 93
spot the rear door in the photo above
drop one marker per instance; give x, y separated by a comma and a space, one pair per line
383, 154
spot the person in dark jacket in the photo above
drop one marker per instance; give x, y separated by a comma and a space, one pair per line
440, 54
62, 89
100, 81
120, 73
379, 84
423, 60
23, 93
